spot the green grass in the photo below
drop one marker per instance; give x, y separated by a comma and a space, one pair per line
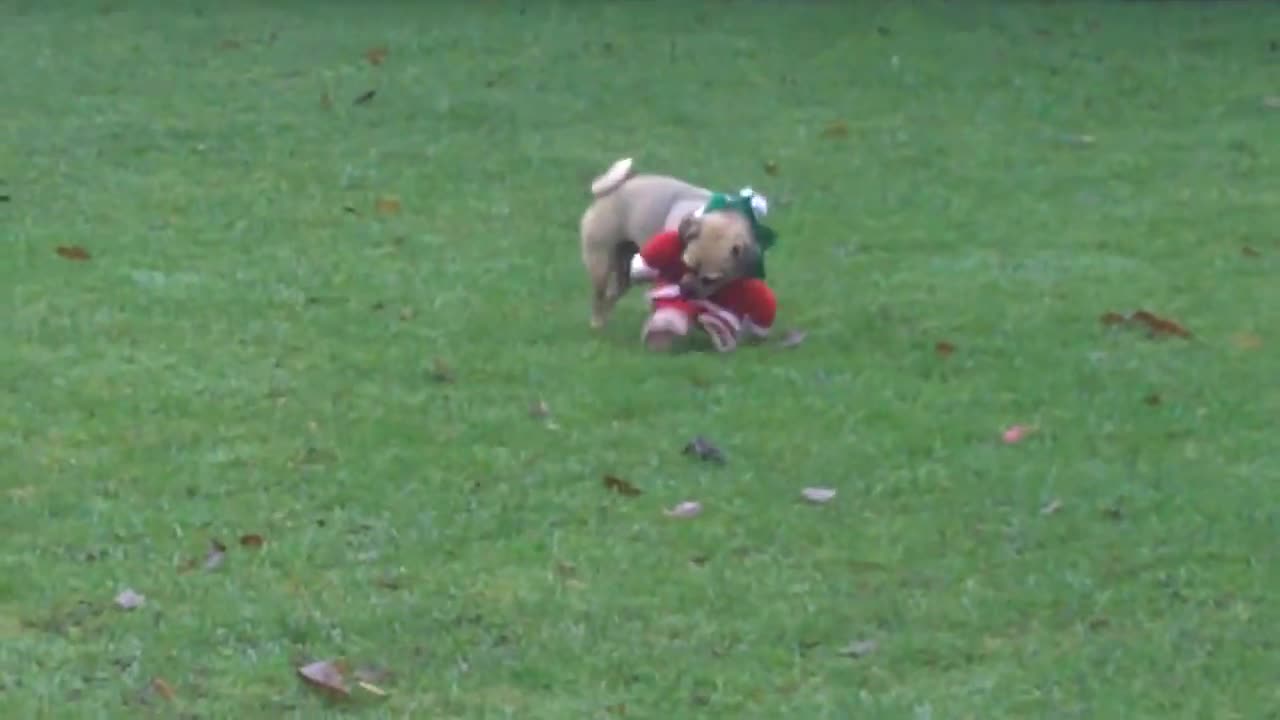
242, 355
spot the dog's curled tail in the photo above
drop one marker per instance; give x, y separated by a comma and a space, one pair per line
612, 179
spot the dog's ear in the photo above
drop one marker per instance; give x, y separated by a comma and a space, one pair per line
689, 228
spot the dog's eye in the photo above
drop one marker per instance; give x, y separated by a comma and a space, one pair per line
736, 251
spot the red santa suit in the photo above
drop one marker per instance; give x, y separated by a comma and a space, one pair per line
743, 309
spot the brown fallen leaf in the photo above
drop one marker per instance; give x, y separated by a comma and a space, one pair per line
944, 349
703, 449
365, 97
130, 600
441, 372
387, 205
161, 687
836, 130
1158, 326
252, 540
620, 486
325, 676
1051, 507
1250, 252
858, 649
771, 168
375, 55
1153, 399
1246, 341
792, 338
216, 556
72, 252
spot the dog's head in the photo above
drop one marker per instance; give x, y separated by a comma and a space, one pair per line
719, 247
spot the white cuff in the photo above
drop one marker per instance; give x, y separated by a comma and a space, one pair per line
640, 269
759, 203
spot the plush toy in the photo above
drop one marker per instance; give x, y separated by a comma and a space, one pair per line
710, 272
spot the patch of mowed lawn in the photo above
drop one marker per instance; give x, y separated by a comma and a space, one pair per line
280, 280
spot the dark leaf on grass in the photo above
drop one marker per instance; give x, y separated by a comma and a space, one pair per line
5, 198
72, 252
130, 600
375, 55
325, 676
883, 31
836, 130
944, 348
364, 98
703, 449
858, 649
1249, 252
620, 486
441, 372
771, 168
1153, 399
252, 540
350, 210
792, 338
1159, 326
216, 556
161, 687
1111, 319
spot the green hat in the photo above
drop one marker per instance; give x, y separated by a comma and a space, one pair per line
753, 206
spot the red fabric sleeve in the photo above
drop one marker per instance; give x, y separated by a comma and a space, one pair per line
664, 253
760, 304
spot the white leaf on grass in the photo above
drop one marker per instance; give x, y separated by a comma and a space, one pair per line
685, 510
818, 494
130, 600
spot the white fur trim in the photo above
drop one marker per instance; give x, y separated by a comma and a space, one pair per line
640, 269
612, 178
754, 329
666, 320
665, 292
721, 336
723, 313
759, 203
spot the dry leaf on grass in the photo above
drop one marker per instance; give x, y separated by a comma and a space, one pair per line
703, 449
130, 600
1246, 341
620, 486
161, 687
944, 349
388, 205
836, 130
252, 540
441, 372
72, 252
1249, 252
375, 55
365, 97
858, 649
771, 168
818, 495
685, 510
1153, 399
325, 676
1157, 327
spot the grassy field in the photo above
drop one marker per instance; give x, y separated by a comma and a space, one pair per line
322, 324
